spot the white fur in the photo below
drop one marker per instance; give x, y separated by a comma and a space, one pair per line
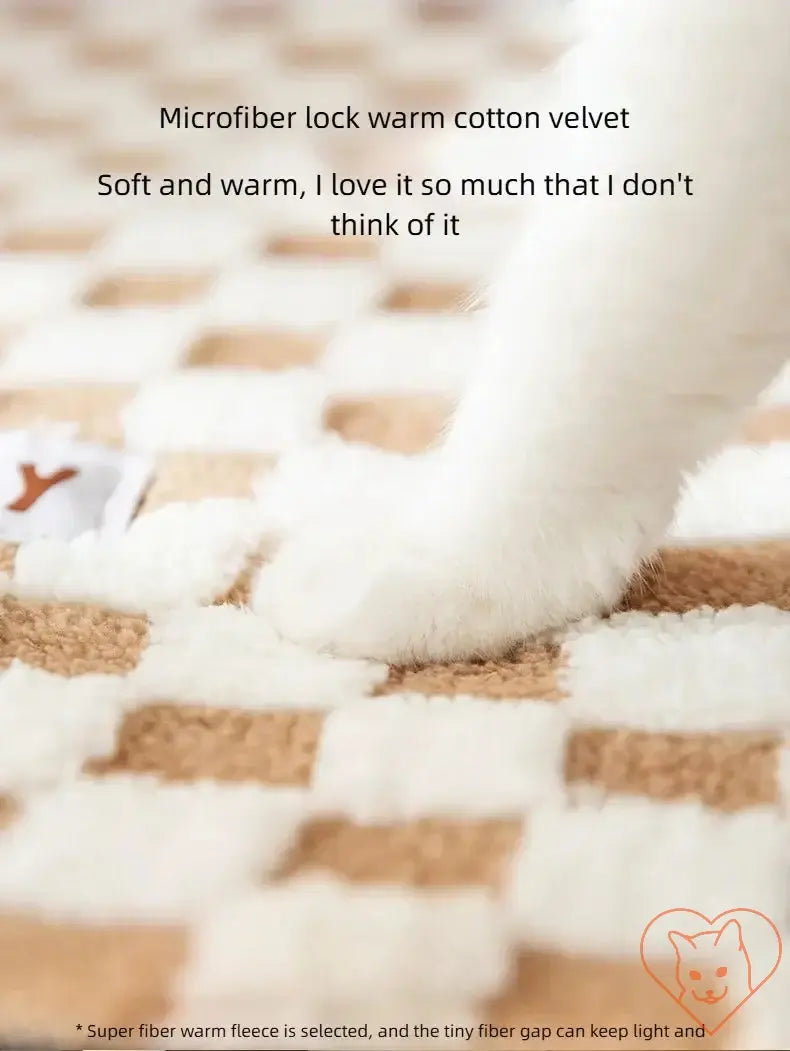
49, 724
277, 294
177, 554
687, 673
778, 393
227, 656
239, 410
742, 493
515, 750
99, 345
624, 338
387, 354
170, 237
345, 945
90, 849
33, 289
587, 879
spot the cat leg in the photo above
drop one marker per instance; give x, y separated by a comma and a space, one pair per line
624, 338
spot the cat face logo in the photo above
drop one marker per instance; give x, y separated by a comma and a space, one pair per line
711, 964
711, 967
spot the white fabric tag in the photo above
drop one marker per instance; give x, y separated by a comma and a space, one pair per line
53, 486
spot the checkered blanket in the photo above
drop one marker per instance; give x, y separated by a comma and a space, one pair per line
205, 826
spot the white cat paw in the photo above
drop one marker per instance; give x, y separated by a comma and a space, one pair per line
370, 590
378, 562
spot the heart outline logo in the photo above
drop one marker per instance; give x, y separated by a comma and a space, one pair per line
686, 938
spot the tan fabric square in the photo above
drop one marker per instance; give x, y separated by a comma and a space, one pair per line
771, 424
683, 579
8, 552
530, 673
191, 742
46, 14
531, 53
426, 92
325, 54
256, 349
9, 809
727, 771
8, 88
96, 408
321, 246
8, 195
367, 154
49, 125
70, 638
426, 853
196, 476
196, 91
408, 423
148, 289
55, 975
550, 989
51, 239
428, 297
241, 14
121, 52
122, 161
449, 11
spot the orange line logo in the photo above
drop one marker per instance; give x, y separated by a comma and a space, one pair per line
711, 967
36, 485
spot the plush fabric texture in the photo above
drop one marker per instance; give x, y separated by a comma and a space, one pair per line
202, 824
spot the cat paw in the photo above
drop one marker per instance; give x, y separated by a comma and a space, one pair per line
378, 562
374, 590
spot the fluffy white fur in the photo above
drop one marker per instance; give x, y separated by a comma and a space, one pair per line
515, 750
659, 687
624, 337
88, 848
179, 554
561, 895
393, 944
